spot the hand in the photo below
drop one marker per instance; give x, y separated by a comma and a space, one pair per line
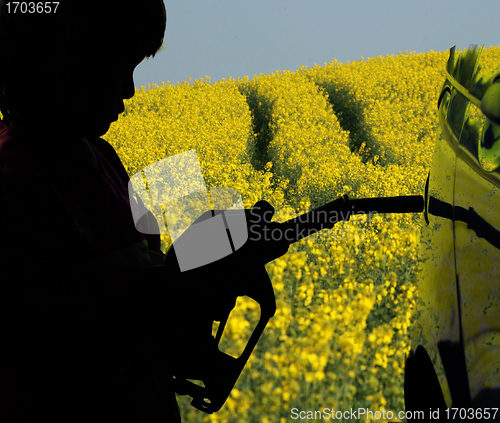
234, 275
185, 305
192, 300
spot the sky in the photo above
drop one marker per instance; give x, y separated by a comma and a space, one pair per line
238, 38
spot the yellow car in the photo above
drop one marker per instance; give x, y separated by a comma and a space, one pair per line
454, 365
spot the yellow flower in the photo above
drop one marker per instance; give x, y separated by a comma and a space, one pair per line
330, 287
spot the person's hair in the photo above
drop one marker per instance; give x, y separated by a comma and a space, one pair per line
39, 51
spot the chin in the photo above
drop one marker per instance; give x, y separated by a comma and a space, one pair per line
97, 130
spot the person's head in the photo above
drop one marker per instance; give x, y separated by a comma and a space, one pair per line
70, 68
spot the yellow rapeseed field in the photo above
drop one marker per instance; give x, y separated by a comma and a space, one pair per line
346, 297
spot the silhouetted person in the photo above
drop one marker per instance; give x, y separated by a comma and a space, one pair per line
71, 257
82, 291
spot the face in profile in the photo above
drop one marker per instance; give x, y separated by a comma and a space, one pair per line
74, 83
86, 99
104, 88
